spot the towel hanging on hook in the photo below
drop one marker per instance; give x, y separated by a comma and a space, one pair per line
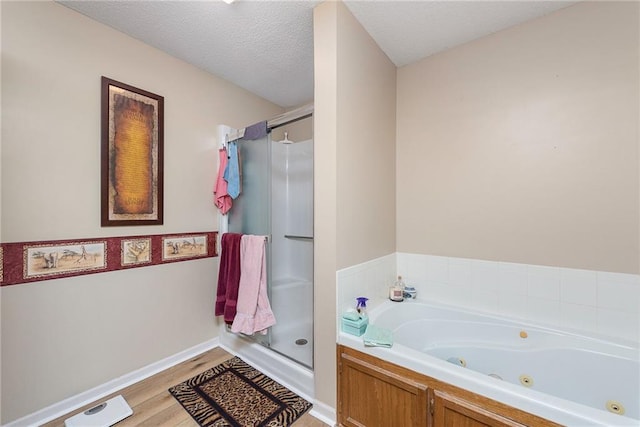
232, 171
256, 131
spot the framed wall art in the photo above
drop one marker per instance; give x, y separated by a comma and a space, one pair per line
64, 258
135, 251
186, 246
132, 125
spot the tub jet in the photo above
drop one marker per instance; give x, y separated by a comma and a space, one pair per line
526, 380
458, 361
615, 407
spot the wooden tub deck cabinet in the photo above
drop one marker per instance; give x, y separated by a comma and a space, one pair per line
375, 393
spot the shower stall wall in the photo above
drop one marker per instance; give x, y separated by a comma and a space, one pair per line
292, 250
277, 201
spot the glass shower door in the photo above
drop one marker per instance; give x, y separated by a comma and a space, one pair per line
251, 211
276, 200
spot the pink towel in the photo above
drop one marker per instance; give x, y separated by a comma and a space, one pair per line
253, 313
222, 198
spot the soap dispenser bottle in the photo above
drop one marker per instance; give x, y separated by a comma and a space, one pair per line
361, 306
396, 292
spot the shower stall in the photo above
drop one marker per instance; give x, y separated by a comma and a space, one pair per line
277, 201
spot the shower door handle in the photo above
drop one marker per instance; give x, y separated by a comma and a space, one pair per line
293, 236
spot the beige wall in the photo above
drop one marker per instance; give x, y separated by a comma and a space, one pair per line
325, 208
523, 146
365, 146
61, 337
354, 166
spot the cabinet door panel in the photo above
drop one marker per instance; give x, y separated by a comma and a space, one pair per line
452, 411
374, 397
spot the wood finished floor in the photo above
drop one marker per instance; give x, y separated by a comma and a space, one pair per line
154, 406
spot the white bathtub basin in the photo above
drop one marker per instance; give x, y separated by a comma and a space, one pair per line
562, 376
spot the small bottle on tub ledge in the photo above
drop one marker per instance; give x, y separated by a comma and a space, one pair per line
396, 292
410, 292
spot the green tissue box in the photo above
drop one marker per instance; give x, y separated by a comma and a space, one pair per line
354, 327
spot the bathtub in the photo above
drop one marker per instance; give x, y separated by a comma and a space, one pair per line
562, 376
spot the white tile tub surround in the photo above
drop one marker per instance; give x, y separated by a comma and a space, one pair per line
370, 279
582, 300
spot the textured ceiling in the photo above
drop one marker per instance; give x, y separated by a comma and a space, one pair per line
266, 46
408, 31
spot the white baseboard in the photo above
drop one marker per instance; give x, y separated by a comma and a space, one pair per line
65, 406
324, 412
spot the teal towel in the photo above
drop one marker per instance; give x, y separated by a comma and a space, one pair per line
375, 336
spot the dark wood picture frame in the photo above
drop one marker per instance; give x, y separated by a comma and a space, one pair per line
132, 155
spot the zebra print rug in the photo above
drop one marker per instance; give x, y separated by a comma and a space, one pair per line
235, 394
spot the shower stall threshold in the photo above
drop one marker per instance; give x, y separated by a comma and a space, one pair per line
292, 375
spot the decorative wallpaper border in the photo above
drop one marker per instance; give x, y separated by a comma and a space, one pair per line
26, 262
